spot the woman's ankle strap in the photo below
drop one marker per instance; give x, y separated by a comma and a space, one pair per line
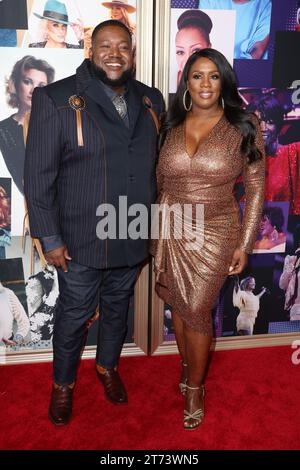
201, 387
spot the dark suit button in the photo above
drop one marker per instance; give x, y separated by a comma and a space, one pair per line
131, 178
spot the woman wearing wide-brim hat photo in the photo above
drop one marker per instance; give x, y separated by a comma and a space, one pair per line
53, 27
120, 11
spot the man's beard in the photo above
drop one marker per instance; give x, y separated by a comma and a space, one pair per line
102, 75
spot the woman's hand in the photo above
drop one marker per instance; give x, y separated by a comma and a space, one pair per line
239, 262
78, 29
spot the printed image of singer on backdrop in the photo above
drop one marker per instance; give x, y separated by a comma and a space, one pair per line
22, 70
279, 119
5, 215
54, 24
192, 30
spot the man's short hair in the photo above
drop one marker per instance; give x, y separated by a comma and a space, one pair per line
104, 24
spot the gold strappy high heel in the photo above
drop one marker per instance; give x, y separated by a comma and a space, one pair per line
193, 420
183, 380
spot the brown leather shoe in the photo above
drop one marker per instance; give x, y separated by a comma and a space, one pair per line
60, 409
114, 389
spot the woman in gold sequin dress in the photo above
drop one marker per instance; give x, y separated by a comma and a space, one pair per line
208, 141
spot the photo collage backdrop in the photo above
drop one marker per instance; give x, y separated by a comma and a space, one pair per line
36, 51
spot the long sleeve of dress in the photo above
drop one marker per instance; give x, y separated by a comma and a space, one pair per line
254, 182
159, 172
159, 180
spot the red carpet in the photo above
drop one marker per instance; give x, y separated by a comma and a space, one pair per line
252, 402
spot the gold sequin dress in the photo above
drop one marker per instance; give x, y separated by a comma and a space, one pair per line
190, 279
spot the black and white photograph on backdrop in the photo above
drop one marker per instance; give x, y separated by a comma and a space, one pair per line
14, 321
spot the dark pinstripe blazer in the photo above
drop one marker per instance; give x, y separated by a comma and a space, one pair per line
64, 183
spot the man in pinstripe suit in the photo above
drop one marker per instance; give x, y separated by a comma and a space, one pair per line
91, 139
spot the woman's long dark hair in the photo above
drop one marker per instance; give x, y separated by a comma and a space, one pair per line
238, 117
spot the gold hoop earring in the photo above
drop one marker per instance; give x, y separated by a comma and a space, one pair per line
184, 101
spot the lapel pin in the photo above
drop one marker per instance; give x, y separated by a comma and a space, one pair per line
148, 104
77, 103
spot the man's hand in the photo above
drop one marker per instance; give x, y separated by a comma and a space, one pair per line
58, 258
239, 262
